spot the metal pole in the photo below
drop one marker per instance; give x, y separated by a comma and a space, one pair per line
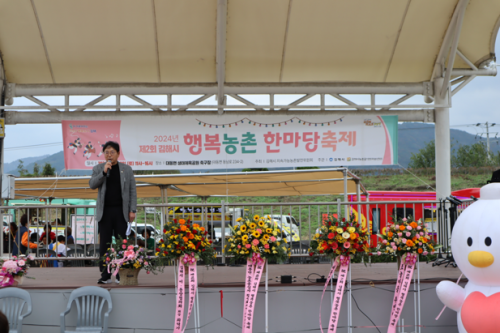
487, 140
267, 297
442, 133
223, 230
346, 207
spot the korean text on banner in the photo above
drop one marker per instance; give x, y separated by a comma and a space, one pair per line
232, 141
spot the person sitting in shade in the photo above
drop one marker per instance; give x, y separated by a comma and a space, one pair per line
61, 249
21, 243
52, 235
71, 239
150, 242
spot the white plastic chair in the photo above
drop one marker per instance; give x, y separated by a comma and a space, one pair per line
90, 305
13, 302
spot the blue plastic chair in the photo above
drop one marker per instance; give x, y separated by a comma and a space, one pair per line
13, 302
89, 304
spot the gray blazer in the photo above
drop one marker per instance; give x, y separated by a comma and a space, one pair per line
129, 194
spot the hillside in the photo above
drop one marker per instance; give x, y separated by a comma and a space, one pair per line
412, 138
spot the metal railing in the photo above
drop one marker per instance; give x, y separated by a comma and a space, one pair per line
297, 222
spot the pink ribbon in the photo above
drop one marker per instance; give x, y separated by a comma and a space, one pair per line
330, 276
402, 287
190, 261
339, 293
255, 267
7, 280
118, 263
444, 307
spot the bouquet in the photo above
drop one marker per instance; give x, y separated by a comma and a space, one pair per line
260, 236
340, 238
122, 254
187, 241
17, 266
405, 236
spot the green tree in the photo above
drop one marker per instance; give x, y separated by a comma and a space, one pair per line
48, 170
20, 168
36, 170
475, 155
425, 158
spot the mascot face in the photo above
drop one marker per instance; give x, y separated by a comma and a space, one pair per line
475, 241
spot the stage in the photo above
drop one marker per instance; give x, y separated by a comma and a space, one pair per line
292, 307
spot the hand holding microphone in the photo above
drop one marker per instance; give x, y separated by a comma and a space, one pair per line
107, 168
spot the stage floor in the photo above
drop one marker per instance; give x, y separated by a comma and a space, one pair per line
228, 276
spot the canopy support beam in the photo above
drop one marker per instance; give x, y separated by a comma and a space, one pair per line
15, 117
221, 52
442, 133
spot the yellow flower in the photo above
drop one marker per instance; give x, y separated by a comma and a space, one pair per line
256, 234
162, 245
351, 229
239, 219
252, 225
269, 230
156, 254
265, 237
244, 238
261, 223
339, 230
243, 228
316, 235
256, 217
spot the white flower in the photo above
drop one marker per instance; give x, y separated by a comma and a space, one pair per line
21, 263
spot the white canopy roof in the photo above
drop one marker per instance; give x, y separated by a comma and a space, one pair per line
175, 41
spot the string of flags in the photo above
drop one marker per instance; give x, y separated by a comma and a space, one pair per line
277, 124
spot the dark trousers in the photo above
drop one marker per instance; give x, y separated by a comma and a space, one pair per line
112, 222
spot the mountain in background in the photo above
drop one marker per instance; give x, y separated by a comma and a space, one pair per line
411, 138
414, 136
26, 160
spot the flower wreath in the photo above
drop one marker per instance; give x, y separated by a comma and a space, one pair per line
340, 238
257, 238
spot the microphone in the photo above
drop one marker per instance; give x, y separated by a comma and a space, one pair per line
108, 172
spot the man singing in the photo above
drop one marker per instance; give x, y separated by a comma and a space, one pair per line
116, 201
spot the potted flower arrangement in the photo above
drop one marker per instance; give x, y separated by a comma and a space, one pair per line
257, 241
341, 240
186, 243
128, 260
14, 270
406, 239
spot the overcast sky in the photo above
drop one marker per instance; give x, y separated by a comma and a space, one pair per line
478, 102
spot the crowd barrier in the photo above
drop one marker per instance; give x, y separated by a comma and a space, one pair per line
297, 222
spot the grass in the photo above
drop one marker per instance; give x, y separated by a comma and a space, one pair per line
373, 180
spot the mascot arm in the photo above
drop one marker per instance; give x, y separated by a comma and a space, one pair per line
451, 294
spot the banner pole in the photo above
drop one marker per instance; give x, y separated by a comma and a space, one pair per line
267, 298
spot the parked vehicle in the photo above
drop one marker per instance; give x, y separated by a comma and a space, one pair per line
139, 228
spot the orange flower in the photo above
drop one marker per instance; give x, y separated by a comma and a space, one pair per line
390, 234
414, 225
182, 221
420, 250
424, 240
183, 228
185, 239
190, 236
202, 229
402, 227
196, 225
409, 243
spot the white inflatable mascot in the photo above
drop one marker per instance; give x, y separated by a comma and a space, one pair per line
475, 243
